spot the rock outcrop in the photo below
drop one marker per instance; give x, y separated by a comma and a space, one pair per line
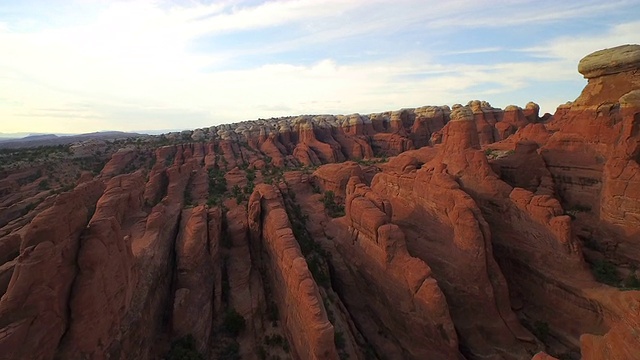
389, 277
33, 312
193, 304
296, 293
447, 230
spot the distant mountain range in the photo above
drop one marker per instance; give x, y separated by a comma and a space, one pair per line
6, 136
34, 140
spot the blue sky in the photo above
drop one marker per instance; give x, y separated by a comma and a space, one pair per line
89, 65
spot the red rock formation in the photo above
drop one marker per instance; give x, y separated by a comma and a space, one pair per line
620, 199
118, 162
273, 149
525, 168
33, 312
446, 229
311, 147
103, 287
352, 139
297, 296
334, 177
389, 277
193, 300
429, 119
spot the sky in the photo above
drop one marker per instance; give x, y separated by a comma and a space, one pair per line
78, 66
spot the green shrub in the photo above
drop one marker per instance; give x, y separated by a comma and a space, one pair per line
262, 353
44, 185
541, 330
275, 340
184, 348
233, 323
217, 183
272, 312
581, 208
632, 282
188, 201
251, 175
338, 339
606, 273
334, 209
230, 352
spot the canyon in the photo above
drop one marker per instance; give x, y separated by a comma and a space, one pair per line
462, 232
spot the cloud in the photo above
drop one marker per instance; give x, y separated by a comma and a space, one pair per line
573, 48
131, 65
535, 12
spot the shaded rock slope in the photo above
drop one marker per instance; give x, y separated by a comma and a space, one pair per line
463, 232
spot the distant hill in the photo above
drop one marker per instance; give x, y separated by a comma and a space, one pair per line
35, 140
38, 137
20, 135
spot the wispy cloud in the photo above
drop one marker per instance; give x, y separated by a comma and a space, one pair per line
132, 65
573, 47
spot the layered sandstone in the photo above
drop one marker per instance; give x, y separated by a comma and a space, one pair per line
389, 277
296, 293
33, 311
446, 228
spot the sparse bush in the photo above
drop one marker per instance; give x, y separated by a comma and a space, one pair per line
44, 185
581, 208
233, 322
632, 282
275, 340
238, 194
605, 272
188, 201
217, 183
248, 190
335, 210
541, 330
251, 175
230, 352
30, 207
338, 339
262, 353
184, 348
272, 312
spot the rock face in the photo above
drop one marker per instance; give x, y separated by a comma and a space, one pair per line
610, 61
33, 311
104, 284
488, 234
446, 229
295, 291
334, 177
193, 301
599, 130
390, 277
